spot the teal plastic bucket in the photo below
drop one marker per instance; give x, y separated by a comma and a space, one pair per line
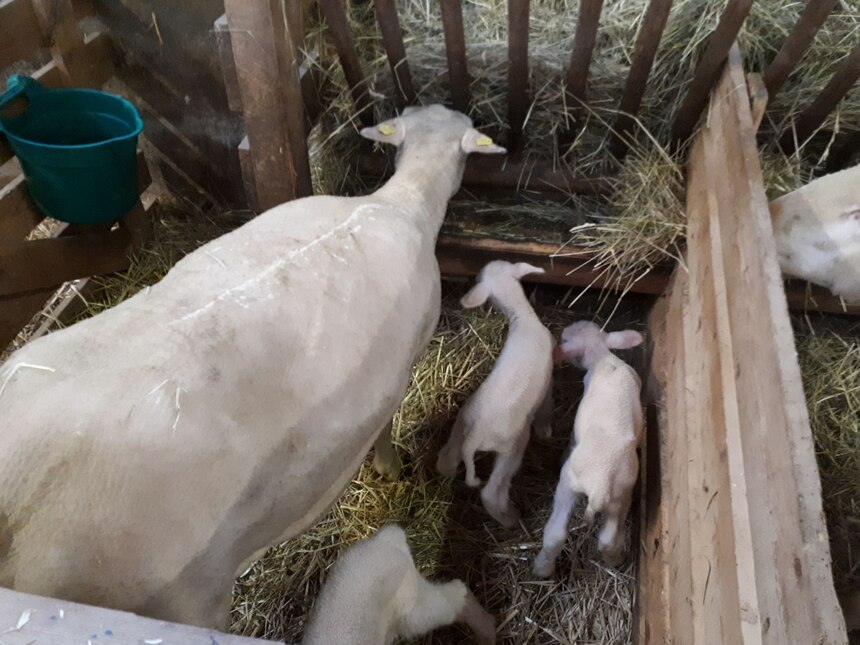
77, 148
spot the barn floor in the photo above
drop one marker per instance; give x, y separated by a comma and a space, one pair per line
449, 531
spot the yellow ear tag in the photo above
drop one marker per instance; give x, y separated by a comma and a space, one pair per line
387, 129
484, 140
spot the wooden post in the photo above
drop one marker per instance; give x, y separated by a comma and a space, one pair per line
59, 25
262, 57
518, 72
392, 40
455, 50
576, 83
644, 53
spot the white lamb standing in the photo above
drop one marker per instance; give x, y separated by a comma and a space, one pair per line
603, 464
375, 595
817, 231
516, 395
150, 453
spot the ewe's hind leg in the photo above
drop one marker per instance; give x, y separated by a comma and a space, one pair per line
496, 494
450, 455
439, 605
567, 494
386, 460
610, 541
542, 423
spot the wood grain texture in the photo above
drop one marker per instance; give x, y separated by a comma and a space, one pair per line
518, 73
455, 51
20, 33
576, 81
392, 41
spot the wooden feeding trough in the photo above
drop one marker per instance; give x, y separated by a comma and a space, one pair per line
732, 540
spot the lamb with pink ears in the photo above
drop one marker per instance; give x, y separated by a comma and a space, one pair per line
516, 395
603, 464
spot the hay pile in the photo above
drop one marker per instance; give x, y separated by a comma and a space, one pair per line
829, 353
450, 533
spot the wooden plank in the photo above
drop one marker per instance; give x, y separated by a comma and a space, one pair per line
287, 53
644, 53
708, 69
261, 86
518, 73
576, 82
813, 116
497, 172
20, 34
795, 46
58, 23
228, 64
341, 34
455, 50
17, 311
784, 580
27, 266
79, 623
18, 213
392, 40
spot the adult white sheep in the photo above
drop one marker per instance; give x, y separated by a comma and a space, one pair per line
149, 454
375, 595
817, 231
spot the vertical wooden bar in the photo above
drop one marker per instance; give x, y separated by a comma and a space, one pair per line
576, 82
796, 44
59, 25
813, 116
286, 49
261, 86
518, 72
455, 50
392, 40
644, 53
708, 69
338, 29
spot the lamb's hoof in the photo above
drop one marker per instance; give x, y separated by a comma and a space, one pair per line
391, 470
473, 482
508, 519
543, 567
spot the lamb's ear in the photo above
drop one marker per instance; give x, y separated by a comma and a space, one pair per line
392, 131
476, 297
522, 269
623, 339
474, 141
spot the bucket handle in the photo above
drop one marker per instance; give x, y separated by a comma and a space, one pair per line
17, 85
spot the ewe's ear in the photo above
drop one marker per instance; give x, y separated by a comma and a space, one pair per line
476, 297
522, 269
623, 339
392, 131
474, 141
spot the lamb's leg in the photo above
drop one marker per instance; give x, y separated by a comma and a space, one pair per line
440, 605
496, 494
542, 422
451, 454
610, 541
470, 447
386, 460
567, 493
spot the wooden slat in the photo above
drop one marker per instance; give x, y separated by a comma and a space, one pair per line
518, 72
795, 46
644, 53
455, 50
286, 50
20, 34
228, 65
708, 69
261, 84
784, 583
392, 40
495, 172
59, 24
81, 622
338, 29
576, 82
813, 116
39, 264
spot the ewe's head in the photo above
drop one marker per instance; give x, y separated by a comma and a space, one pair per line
494, 279
583, 342
436, 126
